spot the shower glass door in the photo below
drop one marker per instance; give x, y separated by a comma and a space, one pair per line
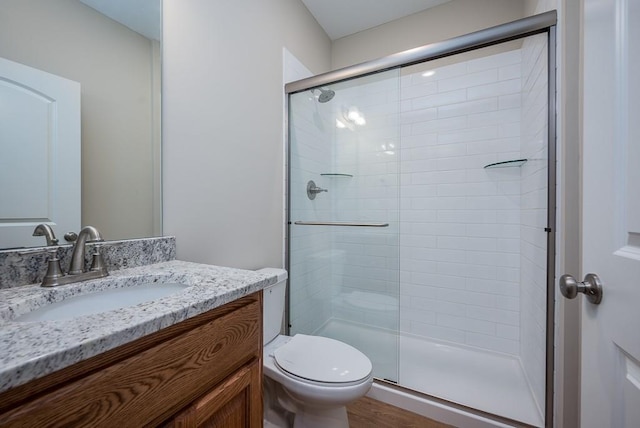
343, 195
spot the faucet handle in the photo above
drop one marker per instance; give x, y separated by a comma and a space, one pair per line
97, 262
54, 271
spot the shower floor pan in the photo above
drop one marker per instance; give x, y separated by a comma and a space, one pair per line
491, 382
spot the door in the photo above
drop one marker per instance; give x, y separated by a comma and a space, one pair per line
236, 403
343, 216
39, 154
610, 373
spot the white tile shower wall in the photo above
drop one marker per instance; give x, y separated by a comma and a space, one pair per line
366, 274
310, 247
460, 223
533, 245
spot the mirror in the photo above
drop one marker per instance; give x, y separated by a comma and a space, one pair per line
118, 68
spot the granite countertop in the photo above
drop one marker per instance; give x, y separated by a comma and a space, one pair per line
29, 350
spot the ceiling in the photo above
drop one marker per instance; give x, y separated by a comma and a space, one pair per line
142, 16
338, 18
341, 18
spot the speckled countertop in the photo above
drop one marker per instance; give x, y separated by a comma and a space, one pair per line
29, 350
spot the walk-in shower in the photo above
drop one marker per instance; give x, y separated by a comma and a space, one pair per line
431, 249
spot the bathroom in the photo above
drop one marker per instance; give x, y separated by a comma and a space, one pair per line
223, 127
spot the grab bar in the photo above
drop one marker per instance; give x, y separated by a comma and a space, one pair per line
339, 223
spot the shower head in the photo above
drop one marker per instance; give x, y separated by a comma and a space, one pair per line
326, 95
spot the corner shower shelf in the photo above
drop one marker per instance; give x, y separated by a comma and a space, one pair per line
335, 174
507, 164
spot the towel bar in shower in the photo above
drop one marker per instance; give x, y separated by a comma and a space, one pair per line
339, 223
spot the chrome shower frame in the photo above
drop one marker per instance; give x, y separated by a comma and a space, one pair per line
537, 24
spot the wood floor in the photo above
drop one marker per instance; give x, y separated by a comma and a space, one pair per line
367, 413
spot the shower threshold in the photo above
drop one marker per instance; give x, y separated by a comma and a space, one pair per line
490, 382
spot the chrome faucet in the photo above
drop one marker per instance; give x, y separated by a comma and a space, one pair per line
55, 276
46, 231
87, 234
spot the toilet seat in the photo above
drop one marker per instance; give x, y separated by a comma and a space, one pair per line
322, 360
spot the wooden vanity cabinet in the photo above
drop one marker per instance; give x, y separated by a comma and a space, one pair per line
227, 405
202, 372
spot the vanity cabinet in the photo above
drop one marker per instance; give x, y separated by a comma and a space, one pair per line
227, 404
205, 371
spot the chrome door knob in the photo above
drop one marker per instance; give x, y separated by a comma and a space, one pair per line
591, 287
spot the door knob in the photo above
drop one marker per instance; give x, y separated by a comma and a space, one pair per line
591, 287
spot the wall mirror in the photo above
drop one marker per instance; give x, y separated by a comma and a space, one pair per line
112, 49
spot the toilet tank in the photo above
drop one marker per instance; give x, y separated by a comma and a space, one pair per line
273, 304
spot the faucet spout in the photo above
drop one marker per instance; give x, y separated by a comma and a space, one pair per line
46, 231
87, 234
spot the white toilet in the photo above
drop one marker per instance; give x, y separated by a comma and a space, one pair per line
308, 380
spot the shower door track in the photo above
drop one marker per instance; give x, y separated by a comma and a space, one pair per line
536, 24
520, 28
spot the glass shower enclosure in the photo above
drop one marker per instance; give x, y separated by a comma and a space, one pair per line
421, 217
345, 206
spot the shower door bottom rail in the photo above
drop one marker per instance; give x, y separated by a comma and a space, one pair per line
339, 223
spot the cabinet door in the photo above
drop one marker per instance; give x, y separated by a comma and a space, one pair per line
235, 403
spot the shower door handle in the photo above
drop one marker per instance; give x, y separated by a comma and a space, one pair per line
591, 287
339, 223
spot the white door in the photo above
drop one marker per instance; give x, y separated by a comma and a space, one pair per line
610, 373
39, 154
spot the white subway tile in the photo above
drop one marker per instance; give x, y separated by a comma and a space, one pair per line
425, 316
495, 61
493, 314
468, 135
452, 123
469, 107
507, 130
440, 99
509, 303
443, 72
496, 117
437, 306
468, 80
463, 323
510, 71
422, 115
510, 101
499, 88
421, 90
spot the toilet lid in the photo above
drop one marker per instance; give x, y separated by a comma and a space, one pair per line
322, 359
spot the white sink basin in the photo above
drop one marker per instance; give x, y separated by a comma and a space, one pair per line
101, 301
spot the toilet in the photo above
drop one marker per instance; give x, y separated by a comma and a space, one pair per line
308, 380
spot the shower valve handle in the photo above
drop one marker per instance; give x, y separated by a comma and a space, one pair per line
313, 190
591, 287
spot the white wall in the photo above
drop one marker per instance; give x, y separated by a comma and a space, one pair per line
115, 67
442, 22
222, 124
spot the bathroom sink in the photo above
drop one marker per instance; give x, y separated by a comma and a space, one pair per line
101, 301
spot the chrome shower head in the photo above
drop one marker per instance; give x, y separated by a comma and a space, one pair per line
326, 95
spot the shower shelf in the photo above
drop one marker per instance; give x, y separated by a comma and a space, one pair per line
507, 164
335, 174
